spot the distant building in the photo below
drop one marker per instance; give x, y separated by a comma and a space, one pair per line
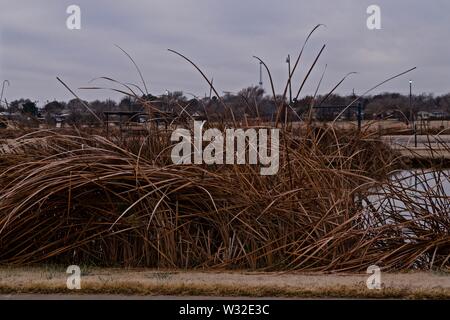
436, 115
423, 115
340, 112
11, 116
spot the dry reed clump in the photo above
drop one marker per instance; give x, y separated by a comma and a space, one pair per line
74, 198
414, 212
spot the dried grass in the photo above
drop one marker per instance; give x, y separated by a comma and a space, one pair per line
83, 198
86, 198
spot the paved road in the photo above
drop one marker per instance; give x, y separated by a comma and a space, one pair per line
423, 141
428, 147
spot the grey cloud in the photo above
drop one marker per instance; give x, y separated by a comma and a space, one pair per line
222, 37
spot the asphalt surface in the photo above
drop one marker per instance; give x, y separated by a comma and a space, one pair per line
423, 141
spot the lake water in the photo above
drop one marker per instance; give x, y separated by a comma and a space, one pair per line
420, 192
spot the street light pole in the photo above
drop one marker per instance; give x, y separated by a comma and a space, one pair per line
168, 101
260, 74
3, 88
410, 102
288, 61
412, 114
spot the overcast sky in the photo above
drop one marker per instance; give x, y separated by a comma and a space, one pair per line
221, 36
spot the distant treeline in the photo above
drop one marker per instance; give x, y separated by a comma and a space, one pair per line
252, 102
